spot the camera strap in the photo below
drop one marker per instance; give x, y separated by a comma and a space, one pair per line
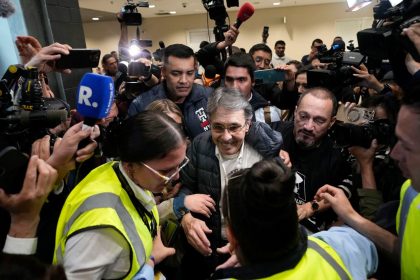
144, 214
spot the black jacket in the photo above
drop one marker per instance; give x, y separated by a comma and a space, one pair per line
202, 175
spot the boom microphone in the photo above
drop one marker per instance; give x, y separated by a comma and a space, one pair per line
244, 13
95, 97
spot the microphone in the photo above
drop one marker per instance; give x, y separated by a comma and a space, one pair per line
47, 118
244, 13
6, 8
95, 97
161, 44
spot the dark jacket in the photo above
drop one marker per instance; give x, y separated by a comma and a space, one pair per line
193, 108
202, 175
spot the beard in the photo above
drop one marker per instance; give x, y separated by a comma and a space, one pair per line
305, 139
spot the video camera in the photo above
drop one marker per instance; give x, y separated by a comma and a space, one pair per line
338, 73
130, 14
24, 114
384, 39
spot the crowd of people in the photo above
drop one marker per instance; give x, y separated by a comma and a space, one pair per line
242, 179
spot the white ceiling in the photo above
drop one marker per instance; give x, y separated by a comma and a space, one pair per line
106, 9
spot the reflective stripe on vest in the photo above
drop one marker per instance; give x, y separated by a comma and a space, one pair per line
409, 195
328, 258
107, 200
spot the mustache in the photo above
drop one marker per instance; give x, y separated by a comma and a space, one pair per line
306, 132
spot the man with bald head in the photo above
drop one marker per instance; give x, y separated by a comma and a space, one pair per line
312, 153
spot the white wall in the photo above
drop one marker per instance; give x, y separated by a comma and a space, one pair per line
303, 24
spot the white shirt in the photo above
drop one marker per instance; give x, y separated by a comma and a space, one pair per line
277, 60
246, 157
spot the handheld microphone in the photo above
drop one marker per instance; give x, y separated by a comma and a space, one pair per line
244, 13
47, 118
95, 97
161, 44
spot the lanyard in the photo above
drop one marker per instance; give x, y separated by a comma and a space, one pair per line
144, 214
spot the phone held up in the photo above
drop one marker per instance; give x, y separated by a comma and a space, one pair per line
79, 58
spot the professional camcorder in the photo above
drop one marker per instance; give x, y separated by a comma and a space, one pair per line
384, 39
24, 114
130, 14
338, 73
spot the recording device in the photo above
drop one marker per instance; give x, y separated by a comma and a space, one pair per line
265, 30
384, 39
244, 13
79, 58
95, 97
130, 14
26, 116
13, 165
339, 73
355, 115
347, 134
268, 76
137, 69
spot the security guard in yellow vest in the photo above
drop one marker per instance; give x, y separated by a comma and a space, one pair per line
109, 223
264, 234
408, 218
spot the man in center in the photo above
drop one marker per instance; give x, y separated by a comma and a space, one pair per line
232, 144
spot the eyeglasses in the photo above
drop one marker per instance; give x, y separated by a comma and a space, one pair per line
167, 179
233, 128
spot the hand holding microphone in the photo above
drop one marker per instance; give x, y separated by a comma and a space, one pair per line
94, 100
244, 13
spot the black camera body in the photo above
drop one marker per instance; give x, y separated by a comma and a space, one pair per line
339, 73
130, 15
384, 39
30, 116
347, 134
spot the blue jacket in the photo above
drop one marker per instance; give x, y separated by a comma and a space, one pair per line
194, 108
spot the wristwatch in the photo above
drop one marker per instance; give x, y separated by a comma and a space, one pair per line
314, 205
182, 212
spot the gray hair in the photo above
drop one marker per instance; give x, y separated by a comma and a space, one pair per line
230, 99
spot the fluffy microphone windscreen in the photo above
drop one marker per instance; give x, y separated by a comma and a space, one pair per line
6, 8
245, 12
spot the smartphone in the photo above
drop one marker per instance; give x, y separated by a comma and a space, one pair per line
265, 30
268, 76
13, 165
79, 58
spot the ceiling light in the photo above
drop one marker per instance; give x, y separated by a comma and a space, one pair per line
355, 5
152, 6
276, 3
172, 12
95, 18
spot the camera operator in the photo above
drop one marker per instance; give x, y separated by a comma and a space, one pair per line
136, 83
306, 59
63, 159
210, 54
375, 161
